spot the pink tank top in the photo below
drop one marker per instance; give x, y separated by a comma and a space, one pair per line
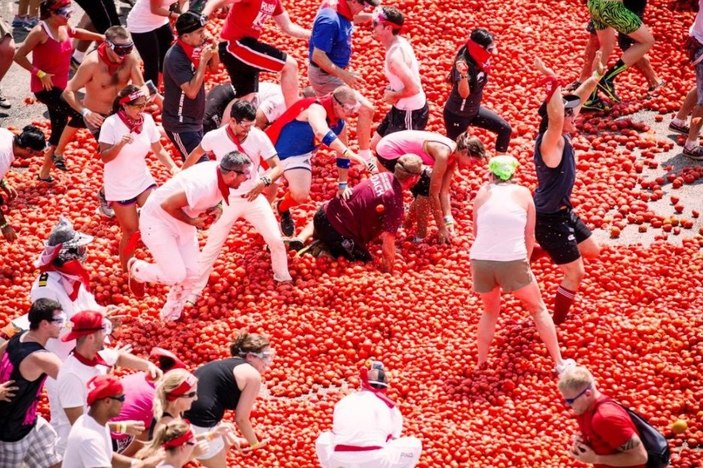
52, 57
397, 144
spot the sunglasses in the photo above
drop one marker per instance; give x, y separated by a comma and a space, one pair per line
120, 398
570, 401
188, 395
65, 11
138, 106
348, 107
121, 49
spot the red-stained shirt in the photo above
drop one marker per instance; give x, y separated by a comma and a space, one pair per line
606, 427
247, 18
376, 206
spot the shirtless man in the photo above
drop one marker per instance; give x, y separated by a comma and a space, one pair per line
103, 75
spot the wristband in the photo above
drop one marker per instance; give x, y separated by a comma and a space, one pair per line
329, 137
40, 74
344, 153
552, 83
85, 111
343, 163
4, 225
255, 444
266, 180
597, 75
448, 220
342, 185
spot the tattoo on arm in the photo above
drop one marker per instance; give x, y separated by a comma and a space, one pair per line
630, 444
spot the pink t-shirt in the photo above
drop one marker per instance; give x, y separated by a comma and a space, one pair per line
139, 401
397, 144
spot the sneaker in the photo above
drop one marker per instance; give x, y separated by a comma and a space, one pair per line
31, 21
313, 249
175, 301
59, 162
573, 86
135, 287
695, 153
287, 223
294, 244
654, 89
595, 105
4, 103
104, 209
21, 22
565, 364
608, 88
680, 128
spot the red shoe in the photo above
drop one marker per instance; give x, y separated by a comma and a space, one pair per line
135, 287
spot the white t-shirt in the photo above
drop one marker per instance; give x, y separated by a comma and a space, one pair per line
257, 146
697, 27
127, 176
141, 20
73, 393
403, 48
6, 155
362, 419
89, 445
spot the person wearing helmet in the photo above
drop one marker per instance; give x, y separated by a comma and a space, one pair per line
366, 428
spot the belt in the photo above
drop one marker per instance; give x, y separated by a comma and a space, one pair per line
355, 448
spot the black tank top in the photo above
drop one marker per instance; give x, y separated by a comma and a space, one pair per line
19, 415
217, 392
469, 106
554, 184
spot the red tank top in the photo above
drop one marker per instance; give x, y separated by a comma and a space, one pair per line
52, 57
247, 18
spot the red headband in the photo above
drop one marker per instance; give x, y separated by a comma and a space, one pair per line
178, 441
132, 97
182, 389
60, 4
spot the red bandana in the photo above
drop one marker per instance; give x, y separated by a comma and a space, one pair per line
224, 188
343, 10
326, 102
134, 126
111, 66
377, 392
193, 53
96, 361
480, 55
70, 270
178, 441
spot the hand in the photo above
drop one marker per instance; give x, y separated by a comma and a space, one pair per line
126, 139
202, 221
444, 236
583, 453
124, 349
598, 64
461, 67
261, 444
7, 390
256, 191
134, 428
206, 54
154, 372
201, 447
351, 78
10, 191
94, 119
539, 65
215, 212
451, 228
344, 193
390, 96
175, 170
46, 81
9, 233
152, 461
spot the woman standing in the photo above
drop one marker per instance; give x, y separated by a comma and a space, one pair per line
468, 77
50, 45
504, 227
230, 384
126, 137
149, 24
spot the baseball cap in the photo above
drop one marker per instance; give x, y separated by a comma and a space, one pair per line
165, 359
189, 22
503, 167
63, 233
103, 386
84, 323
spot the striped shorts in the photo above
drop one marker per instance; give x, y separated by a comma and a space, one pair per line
37, 449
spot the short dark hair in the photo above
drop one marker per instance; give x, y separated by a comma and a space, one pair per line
395, 17
42, 309
234, 161
482, 37
243, 110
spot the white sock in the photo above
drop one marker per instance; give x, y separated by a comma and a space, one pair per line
678, 121
78, 55
690, 144
366, 154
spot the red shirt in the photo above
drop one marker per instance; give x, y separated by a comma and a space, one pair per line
376, 206
247, 18
52, 57
606, 427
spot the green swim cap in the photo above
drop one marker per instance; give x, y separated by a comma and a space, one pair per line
503, 167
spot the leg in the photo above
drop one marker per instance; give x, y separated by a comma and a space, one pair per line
687, 105
454, 124
589, 248
363, 124
148, 47
589, 54
164, 37
260, 215
532, 300
128, 219
169, 268
487, 323
494, 123
218, 461
643, 42
7, 53
606, 39
569, 286
299, 180
289, 81
422, 212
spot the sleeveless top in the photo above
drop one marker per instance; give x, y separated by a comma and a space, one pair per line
416, 101
217, 392
501, 227
396, 144
469, 106
19, 415
52, 57
554, 184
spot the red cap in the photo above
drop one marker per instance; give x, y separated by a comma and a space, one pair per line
165, 359
103, 386
84, 323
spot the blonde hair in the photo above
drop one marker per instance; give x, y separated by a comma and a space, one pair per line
248, 343
170, 431
168, 383
575, 378
344, 93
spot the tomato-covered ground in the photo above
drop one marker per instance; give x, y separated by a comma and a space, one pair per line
638, 322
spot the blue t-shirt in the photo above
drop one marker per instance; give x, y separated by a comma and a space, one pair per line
331, 33
554, 184
297, 138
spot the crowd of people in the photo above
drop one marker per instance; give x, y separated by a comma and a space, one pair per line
235, 145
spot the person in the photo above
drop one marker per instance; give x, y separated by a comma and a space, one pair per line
218, 105
177, 440
409, 109
559, 231
607, 437
230, 384
126, 138
693, 103
609, 16
89, 359
102, 13
169, 221
504, 232
272, 105
25, 436
468, 78
247, 201
89, 440
185, 65
375, 208
431, 192
7, 53
330, 53
50, 46
174, 395
244, 56
366, 428
103, 74
27, 15
298, 133
149, 24
30, 142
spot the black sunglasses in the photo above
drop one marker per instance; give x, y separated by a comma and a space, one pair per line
121, 49
120, 398
189, 395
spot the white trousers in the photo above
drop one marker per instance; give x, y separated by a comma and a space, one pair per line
174, 249
403, 452
260, 215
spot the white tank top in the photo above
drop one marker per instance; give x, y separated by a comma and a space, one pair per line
416, 101
141, 20
501, 227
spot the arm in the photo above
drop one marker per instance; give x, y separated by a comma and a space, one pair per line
445, 200
73, 414
323, 61
214, 5
252, 383
164, 157
156, 7
85, 35
193, 157
530, 225
274, 173
441, 156
480, 199
317, 120
174, 205
590, 84
109, 152
631, 453
460, 75
410, 88
551, 146
83, 75
35, 37
388, 249
7, 231
130, 361
192, 88
46, 362
292, 29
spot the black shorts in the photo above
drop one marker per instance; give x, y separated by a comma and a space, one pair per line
397, 120
559, 234
337, 244
245, 58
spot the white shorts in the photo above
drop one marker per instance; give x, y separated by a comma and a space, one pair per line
403, 452
37, 449
214, 446
297, 162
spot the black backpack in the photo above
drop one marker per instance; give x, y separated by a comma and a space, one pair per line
656, 445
